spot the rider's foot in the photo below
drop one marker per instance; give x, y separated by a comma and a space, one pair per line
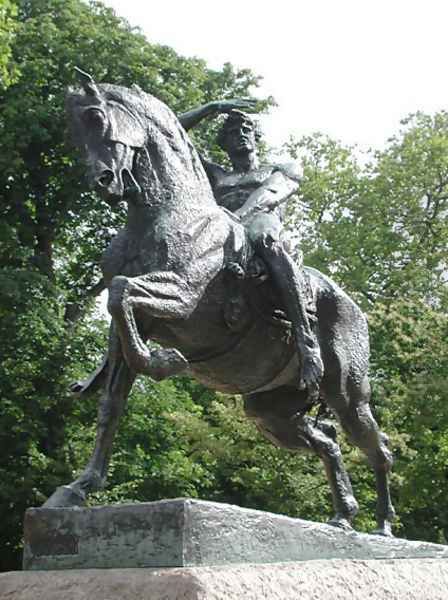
257, 269
311, 372
237, 270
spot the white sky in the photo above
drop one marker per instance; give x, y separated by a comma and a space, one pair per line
349, 68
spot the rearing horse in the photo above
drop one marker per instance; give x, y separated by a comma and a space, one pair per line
167, 280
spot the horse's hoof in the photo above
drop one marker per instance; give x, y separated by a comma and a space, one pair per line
93, 382
340, 523
77, 387
384, 531
84, 387
328, 429
65, 497
166, 362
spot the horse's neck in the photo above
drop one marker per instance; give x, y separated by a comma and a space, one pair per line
172, 172
170, 210
175, 190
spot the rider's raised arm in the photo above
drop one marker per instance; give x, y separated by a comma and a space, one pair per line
192, 117
196, 115
278, 187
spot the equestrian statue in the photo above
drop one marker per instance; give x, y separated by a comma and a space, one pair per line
202, 270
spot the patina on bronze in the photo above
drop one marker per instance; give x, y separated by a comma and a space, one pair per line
171, 278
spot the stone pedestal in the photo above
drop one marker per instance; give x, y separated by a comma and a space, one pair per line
399, 579
192, 550
185, 533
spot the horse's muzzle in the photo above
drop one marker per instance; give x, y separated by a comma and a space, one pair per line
114, 187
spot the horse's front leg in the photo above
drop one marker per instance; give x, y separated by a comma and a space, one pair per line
118, 383
162, 295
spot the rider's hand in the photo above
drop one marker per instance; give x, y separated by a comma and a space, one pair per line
225, 106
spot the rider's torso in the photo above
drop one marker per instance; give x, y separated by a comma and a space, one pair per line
232, 189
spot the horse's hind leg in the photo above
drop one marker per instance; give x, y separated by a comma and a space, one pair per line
276, 416
119, 380
329, 452
363, 431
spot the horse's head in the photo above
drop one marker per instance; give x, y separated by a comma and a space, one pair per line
109, 134
135, 148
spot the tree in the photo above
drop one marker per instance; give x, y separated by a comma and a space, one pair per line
409, 365
53, 229
8, 12
379, 228
179, 439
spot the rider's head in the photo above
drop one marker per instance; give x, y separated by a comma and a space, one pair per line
239, 133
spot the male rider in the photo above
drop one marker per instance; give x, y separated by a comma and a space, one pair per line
255, 193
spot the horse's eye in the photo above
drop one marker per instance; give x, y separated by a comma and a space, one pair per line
95, 117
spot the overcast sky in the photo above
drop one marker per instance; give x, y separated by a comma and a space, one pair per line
349, 68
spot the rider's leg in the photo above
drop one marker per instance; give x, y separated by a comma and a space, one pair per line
264, 231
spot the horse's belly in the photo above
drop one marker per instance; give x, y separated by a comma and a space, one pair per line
265, 355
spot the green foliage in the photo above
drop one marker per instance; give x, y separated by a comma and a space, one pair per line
170, 446
35, 403
410, 363
8, 71
379, 227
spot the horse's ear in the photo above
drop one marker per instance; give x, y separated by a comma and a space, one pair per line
87, 83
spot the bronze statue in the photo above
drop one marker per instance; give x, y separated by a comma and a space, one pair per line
171, 278
256, 193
